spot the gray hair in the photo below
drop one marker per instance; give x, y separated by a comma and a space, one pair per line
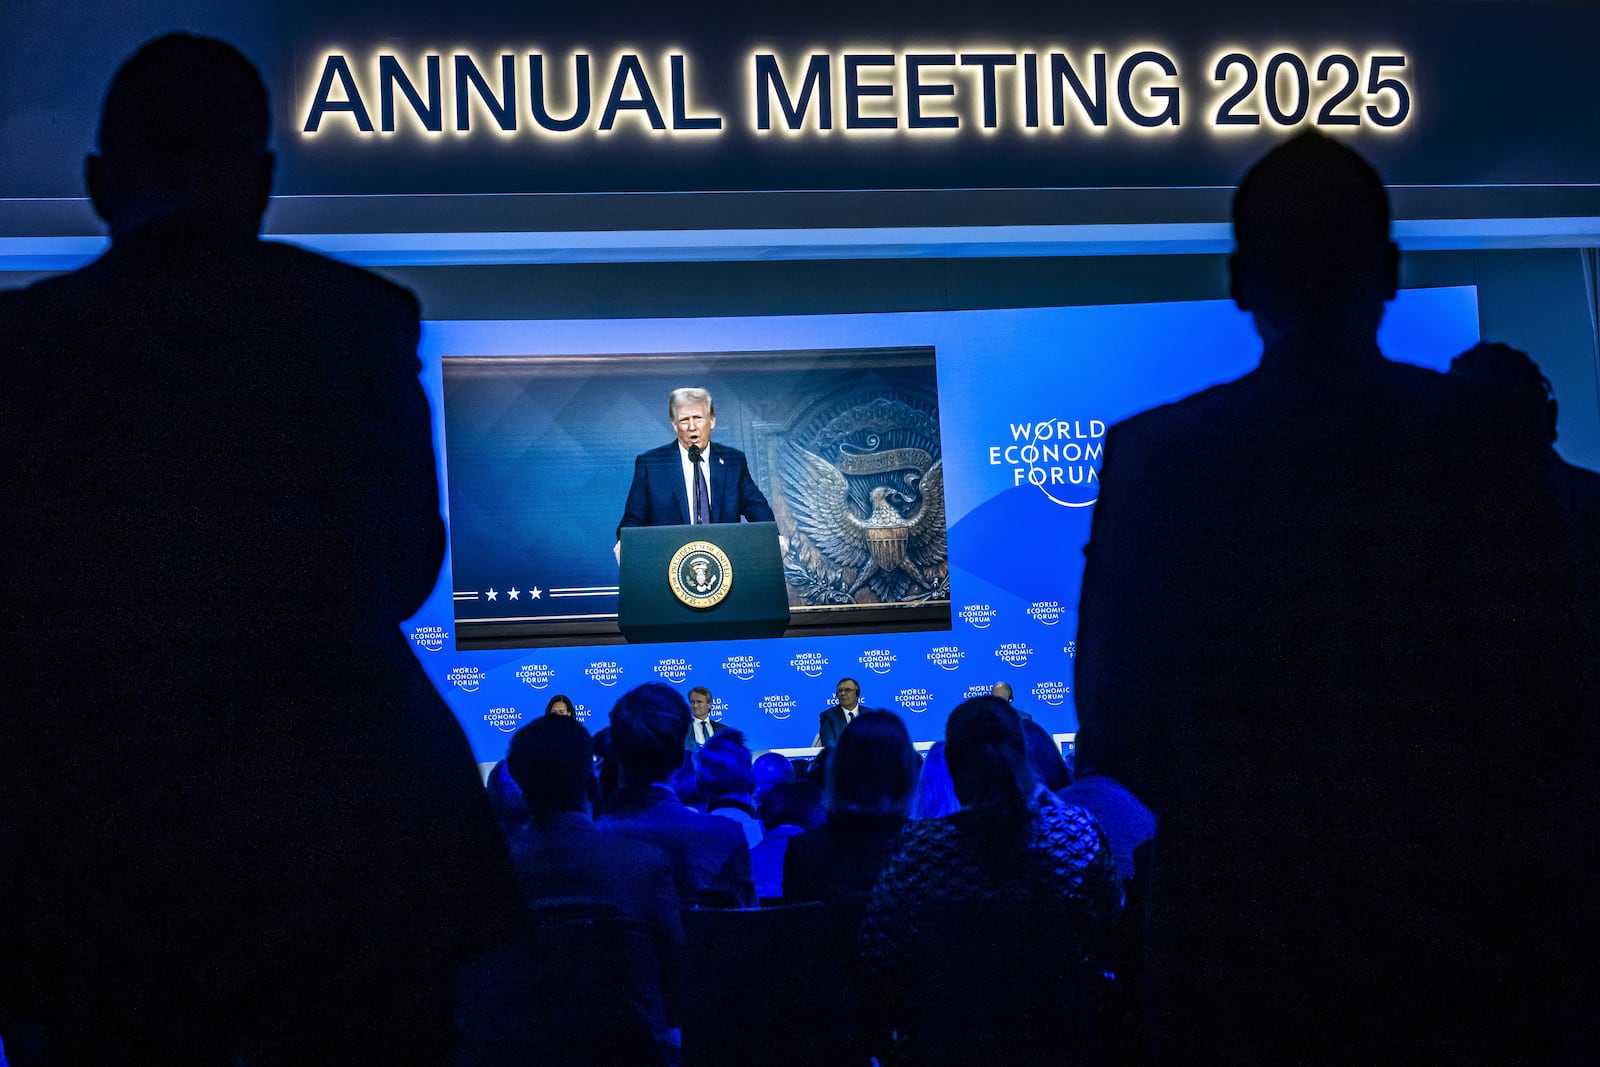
678, 397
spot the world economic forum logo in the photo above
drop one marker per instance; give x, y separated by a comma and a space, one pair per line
537, 675
778, 706
1060, 457
980, 616
429, 638
810, 664
914, 700
878, 660
674, 669
1051, 693
605, 671
505, 719
1014, 653
1047, 612
742, 667
947, 657
466, 679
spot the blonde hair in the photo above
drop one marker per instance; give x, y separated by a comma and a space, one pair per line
678, 397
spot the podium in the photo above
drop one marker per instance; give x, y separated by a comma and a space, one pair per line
712, 582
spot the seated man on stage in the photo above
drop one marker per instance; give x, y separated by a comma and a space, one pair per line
686, 482
701, 724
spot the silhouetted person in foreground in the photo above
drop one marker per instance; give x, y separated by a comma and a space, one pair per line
1577, 488
1327, 634
237, 821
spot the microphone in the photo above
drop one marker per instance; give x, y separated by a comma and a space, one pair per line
694, 453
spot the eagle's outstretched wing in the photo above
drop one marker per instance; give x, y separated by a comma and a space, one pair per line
818, 500
926, 543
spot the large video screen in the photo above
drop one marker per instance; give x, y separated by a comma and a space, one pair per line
976, 435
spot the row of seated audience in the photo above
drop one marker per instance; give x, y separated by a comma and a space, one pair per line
963, 907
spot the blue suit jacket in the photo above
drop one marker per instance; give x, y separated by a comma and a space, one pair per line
832, 723
691, 745
657, 496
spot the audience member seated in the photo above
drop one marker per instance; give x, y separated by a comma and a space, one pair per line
816, 771
709, 856
1127, 823
505, 800
1044, 756
871, 778
975, 936
789, 808
722, 770
769, 769
561, 859
685, 784
1130, 829
936, 794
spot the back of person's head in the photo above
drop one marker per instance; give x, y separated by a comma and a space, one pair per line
722, 767
769, 769
505, 799
791, 804
873, 770
1512, 372
552, 761
936, 794
183, 129
988, 760
817, 770
1049, 766
648, 725
685, 784
1312, 247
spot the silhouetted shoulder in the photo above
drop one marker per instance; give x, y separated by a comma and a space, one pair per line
294, 263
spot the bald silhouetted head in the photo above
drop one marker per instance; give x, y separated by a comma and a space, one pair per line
1312, 253
183, 131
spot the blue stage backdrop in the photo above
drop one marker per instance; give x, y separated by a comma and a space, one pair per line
537, 423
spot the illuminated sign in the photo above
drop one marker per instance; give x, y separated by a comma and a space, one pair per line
856, 92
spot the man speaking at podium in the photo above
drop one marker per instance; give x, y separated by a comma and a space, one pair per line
688, 482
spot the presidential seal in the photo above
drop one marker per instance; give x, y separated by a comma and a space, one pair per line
700, 574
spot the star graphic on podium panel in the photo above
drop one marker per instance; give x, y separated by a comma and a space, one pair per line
493, 594
534, 592
513, 593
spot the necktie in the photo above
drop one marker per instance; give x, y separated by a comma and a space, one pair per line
702, 496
